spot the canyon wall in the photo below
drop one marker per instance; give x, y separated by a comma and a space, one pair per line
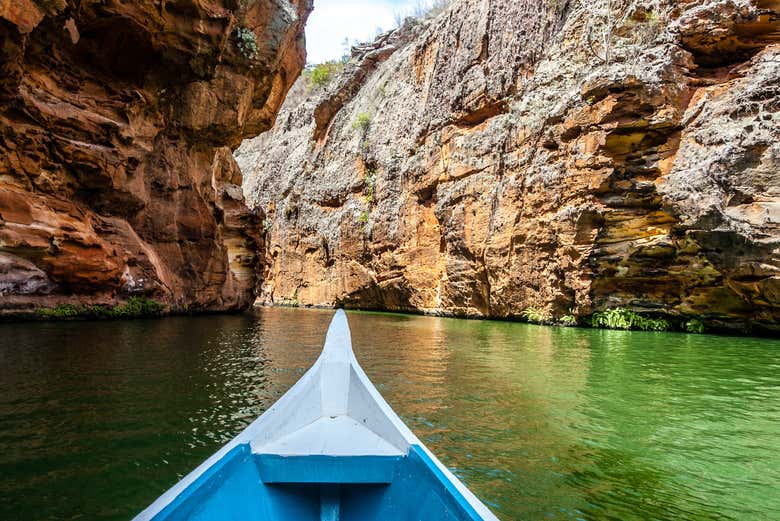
550, 155
117, 125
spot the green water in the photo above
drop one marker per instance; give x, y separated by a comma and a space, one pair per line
98, 418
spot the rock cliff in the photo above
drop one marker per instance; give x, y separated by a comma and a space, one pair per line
117, 124
568, 156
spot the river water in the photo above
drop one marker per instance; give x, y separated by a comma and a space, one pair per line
98, 418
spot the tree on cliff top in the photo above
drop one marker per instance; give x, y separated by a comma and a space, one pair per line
320, 75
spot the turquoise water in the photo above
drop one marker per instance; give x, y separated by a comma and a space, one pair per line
98, 418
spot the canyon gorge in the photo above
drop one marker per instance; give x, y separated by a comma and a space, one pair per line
558, 156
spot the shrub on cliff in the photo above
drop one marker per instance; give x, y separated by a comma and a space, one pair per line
622, 318
369, 186
694, 325
362, 121
536, 316
246, 43
138, 307
567, 321
135, 307
61, 311
320, 75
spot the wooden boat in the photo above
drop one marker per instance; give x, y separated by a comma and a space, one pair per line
330, 449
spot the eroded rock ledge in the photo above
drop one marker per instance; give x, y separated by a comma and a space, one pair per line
117, 124
506, 163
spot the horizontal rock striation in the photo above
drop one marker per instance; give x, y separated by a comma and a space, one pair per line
117, 124
550, 155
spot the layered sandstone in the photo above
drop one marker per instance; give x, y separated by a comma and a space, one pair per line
117, 124
509, 155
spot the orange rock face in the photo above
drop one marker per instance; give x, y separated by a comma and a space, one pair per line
499, 158
117, 121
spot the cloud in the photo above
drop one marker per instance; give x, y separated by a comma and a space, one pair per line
333, 20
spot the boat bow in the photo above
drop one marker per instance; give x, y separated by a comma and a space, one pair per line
331, 448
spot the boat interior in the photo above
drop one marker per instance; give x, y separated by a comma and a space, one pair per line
360, 488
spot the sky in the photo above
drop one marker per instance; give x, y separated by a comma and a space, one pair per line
333, 20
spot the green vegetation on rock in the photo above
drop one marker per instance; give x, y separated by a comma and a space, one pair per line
246, 43
61, 311
370, 185
536, 315
616, 318
322, 74
362, 121
289, 302
694, 325
567, 321
622, 318
135, 307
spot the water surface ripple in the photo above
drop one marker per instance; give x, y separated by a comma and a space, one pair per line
98, 418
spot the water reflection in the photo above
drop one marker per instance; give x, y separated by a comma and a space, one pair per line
96, 419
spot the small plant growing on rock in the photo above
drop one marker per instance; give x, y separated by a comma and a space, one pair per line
567, 321
612, 319
322, 74
60, 311
536, 315
362, 121
694, 325
370, 184
291, 301
363, 219
653, 324
246, 43
622, 318
138, 307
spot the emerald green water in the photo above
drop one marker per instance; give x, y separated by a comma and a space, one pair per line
98, 418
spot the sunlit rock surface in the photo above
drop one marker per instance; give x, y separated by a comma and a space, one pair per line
117, 124
509, 163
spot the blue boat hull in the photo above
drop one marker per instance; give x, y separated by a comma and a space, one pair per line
244, 486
